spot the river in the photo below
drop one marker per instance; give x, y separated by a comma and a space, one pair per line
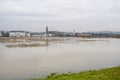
23, 63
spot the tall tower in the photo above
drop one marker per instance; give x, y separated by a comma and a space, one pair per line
46, 30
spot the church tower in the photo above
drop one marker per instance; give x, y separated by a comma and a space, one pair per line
46, 30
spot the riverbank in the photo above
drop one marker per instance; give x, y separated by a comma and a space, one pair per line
103, 74
50, 39
28, 39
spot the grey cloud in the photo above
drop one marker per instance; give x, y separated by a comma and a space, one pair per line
65, 12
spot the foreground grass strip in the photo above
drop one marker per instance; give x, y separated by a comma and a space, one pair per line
103, 74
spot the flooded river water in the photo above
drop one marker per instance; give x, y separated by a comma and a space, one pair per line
60, 56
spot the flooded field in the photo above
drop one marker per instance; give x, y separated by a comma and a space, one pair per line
61, 56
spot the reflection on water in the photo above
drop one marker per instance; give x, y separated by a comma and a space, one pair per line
62, 56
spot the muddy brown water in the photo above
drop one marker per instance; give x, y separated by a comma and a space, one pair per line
60, 56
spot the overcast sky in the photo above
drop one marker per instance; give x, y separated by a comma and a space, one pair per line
63, 15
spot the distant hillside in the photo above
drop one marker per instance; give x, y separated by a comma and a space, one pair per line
104, 32
99, 34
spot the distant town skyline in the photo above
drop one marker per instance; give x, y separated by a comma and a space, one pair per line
60, 15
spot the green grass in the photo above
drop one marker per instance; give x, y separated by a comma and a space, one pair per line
103, 74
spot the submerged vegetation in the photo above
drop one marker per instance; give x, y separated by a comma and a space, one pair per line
26, 45
28, 39
103, 74
35, 41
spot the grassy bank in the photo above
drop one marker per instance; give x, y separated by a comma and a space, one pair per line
103, 74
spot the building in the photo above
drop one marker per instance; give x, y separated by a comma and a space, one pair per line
82, 35
51, 33
47, 33
19, 34
4, 34
28, 34
37, 34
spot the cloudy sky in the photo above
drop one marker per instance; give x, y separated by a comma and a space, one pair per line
63, 15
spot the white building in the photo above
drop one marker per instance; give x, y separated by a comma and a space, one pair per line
19, 34
28, 34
